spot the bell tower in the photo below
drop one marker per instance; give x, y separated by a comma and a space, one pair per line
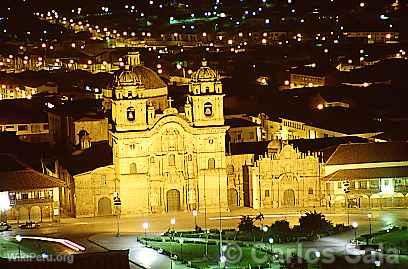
129, 106
206, 99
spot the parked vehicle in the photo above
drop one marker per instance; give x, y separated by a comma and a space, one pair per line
29, 225
4, 227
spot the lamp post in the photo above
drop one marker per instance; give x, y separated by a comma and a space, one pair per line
195, 213
19, 238
355, 225
270, 240
172, 223
369, 220
145, 227
181, 241
179, 66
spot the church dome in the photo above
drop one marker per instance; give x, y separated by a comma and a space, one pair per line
204, 73
126, 78
138, 75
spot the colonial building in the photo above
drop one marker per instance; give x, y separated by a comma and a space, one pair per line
26, 194
276, 175
376, 175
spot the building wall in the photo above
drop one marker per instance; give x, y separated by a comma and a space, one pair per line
245, 134
288, 179
91, 189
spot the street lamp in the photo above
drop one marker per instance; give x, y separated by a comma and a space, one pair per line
270, 240
172, 223
181, 241
19, 238
145, 227
355, 225
369, 220
195, 213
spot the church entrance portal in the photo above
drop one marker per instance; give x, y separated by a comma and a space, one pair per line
289, 198
104, 207
173, 200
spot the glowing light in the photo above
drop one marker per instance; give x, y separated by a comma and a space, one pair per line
320, 106
4, 201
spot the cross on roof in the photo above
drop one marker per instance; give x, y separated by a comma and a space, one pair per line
170, 100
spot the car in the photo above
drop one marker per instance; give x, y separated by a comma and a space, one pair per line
29, 225
4, 227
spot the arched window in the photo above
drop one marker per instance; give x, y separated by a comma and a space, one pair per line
130, 113
211, 163
172, 160
133, 168
208, 109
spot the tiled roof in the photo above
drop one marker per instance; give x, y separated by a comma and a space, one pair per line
369, 153
368, 173
18, 177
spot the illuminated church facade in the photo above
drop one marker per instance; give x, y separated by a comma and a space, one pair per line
170, 161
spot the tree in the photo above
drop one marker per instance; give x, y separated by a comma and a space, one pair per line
314, 223
246, 224
281, 229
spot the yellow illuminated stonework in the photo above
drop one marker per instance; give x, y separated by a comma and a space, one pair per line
171, 161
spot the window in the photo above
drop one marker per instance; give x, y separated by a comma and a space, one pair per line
208, 110
362, 184
132, 146
211, 163
103, 180
130, 114
339, 185
152, 159
266, 193
22, 127
190, 157
133, 168
172, 160
310, 191
24, 196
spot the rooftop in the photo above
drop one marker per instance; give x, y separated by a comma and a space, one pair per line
16, 176
369, 153
368, 173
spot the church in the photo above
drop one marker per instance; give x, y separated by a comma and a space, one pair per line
169, 161
158, 158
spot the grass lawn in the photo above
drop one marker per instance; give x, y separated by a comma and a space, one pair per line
394, 239
196, 252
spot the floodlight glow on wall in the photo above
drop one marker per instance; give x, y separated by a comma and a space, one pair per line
4, 201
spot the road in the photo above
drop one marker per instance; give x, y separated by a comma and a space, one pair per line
103, 228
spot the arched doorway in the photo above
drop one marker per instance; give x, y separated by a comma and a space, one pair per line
173, 200
288, 198
23, 214
104, 207
35, 214
232, 197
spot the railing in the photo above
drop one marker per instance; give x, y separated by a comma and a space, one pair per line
31, 201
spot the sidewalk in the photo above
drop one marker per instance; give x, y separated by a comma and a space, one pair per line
139, 255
